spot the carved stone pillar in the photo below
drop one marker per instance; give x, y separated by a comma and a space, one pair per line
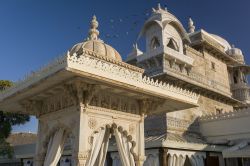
80, 149
39, 156
141, 143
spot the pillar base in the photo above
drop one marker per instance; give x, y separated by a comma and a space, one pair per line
140, 160
80, 159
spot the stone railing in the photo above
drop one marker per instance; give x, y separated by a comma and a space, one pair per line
171, 53
106, 69
241, 91
226, 115
202, 80
226, 126
55, 65
103, 67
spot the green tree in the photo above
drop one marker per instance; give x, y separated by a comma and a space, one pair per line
7, 120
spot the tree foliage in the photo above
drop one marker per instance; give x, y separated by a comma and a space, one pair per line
7, 120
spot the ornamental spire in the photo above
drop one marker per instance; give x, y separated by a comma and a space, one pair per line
93, 31
159, 9
191, 27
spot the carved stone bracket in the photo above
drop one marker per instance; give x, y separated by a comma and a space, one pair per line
89, 93
81, 93
147, 105
144, 106
172, 62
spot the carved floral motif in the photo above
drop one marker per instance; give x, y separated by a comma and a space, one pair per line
92, 123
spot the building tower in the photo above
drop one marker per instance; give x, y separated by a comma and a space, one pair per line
238, 73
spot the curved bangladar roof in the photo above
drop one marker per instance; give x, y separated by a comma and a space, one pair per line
162, 18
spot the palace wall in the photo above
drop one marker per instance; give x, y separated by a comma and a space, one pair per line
183, 120
211, 68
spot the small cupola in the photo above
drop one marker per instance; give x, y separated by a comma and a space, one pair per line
237, 54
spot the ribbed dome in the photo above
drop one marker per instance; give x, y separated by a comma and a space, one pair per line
223, 41
98, 47
94, 44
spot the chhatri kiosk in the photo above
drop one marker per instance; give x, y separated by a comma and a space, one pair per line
90, 96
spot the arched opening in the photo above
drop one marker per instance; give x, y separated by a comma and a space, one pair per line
101, 140
235, 77
173, 44
58, 140
154, 43
187, 161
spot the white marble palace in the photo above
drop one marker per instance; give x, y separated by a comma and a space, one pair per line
181, 102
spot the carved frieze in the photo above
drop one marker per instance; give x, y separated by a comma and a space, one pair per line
181, 124
56, 102
112, 101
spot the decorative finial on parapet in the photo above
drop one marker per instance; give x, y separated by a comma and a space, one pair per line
233, 46
159, 6
135, 46
159, 9
93, 32
191, 27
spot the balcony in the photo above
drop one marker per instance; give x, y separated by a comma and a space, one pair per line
197, 79
170, 53
241, 91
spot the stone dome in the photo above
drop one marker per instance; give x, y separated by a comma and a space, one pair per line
96, 45
237, 54
223, 41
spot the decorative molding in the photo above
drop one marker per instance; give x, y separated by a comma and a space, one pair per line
118, 71
122, 64
108, 100
32, 107
181, 124
225, 115
114, 112
80, 155
130, 76
57, 102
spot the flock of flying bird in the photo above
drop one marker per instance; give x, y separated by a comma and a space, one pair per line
135, 20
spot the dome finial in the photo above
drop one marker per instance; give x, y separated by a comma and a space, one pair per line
93, 32
191, 27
